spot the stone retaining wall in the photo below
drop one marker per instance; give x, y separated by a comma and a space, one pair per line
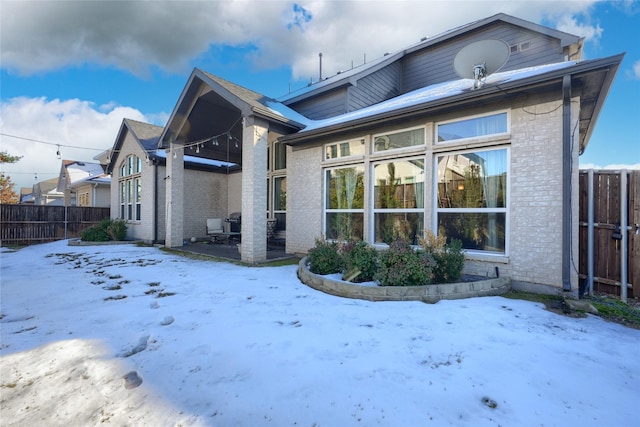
428, 293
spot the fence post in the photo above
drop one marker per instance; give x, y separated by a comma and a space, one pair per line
65, 222
590, 214
623, 228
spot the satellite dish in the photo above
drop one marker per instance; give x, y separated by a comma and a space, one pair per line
480, 59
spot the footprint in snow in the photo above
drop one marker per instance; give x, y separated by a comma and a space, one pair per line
142, 345
132, 380
167, 321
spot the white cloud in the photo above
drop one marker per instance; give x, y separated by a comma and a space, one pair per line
138, 35
636, 69
591, 32
70, 122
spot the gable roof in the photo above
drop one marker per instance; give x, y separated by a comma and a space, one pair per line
350, 77
250, 103
593, 81
145, 134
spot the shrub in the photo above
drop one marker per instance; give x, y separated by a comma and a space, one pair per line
360, 261
324, 258
117, 229
449, 257
94, 234
107, 229
401, 265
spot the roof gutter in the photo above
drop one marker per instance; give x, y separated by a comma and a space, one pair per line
566, 183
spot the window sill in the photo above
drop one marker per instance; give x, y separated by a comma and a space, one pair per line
497, 258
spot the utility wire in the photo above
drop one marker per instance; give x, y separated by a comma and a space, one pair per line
51, 143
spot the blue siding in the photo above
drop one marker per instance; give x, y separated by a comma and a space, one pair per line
377, 87
435, 65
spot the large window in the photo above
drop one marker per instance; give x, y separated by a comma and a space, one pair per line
344, 204
472, 198
402, 139
130, 184
472, 127
398, 200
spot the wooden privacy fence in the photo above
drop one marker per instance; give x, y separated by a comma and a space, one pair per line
609, 232
26, 224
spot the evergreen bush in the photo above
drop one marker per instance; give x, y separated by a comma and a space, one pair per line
324, 258
401, 265
107, 229
360, 261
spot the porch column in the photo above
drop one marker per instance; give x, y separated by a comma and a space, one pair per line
174, 182
254, 190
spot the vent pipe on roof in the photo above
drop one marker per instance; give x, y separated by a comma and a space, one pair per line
320, 58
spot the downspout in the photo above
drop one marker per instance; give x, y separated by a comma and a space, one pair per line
566, 183
155, 200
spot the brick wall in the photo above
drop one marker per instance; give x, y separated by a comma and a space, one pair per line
304, 198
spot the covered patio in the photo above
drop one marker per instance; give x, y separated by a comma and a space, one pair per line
234, 129
230, 251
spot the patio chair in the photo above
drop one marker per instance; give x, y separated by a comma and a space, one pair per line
215, 229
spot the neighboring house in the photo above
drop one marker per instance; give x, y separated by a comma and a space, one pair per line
26, 195
84, 184
46, 193
399, 145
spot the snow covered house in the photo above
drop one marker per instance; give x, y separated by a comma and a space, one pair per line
84, 184
396, 146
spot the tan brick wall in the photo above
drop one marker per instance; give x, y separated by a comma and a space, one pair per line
304, 198
205, 197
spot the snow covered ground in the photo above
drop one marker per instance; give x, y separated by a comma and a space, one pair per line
216, 344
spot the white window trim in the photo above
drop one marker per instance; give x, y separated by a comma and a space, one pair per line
473, 138
373, 210
477, 254
400, 149
130, 196
325, 188
349, 158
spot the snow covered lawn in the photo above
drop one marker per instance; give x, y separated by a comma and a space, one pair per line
216, 344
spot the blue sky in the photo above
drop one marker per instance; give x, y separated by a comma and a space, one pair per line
70, 71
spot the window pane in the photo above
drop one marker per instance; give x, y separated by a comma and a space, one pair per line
138, 184
345, 188
137, 211
344, 225
138, 164
479, 126
280, 193
391, 141
399, 184
473, 180
130, 167
477, 231
280, 160
403, 225
345, 149
281, 225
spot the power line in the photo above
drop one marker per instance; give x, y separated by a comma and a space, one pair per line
50, 143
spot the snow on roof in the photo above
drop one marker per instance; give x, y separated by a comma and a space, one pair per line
82, 171
286, 112
432, 93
